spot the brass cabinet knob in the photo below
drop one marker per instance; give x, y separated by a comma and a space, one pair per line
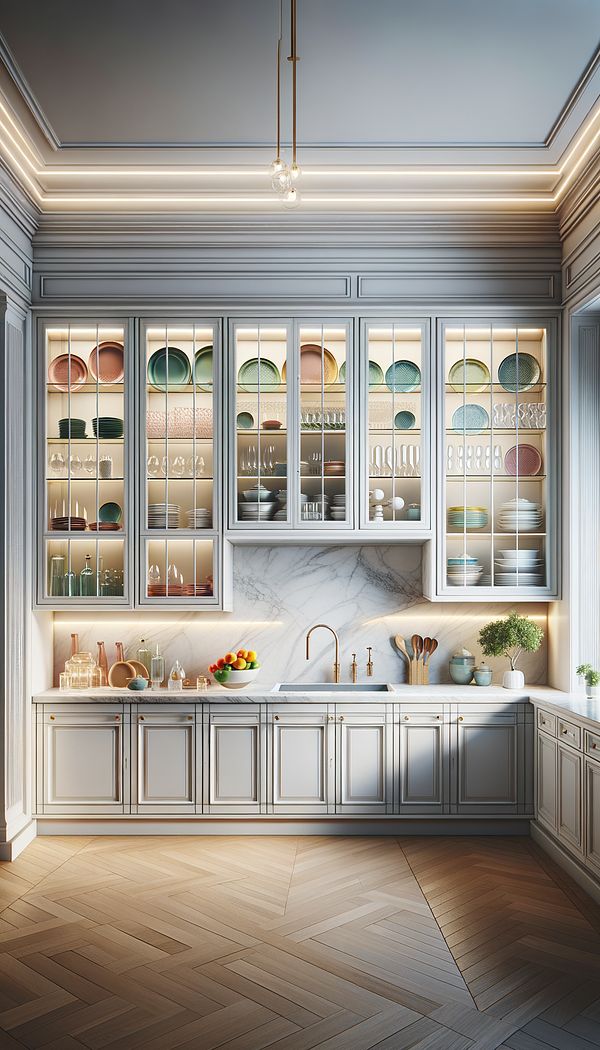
141, 718
407, 718
330, 718
439, 718
276, 718
565, 731
190, 718
341, 718
117, 718
52, 718
594, 746
461, 718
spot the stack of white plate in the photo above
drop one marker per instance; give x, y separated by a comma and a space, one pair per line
464, 571
200, 518
163, 515
520, 515
256, 511
519, 568
338, 507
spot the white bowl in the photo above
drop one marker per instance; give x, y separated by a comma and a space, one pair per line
238, 679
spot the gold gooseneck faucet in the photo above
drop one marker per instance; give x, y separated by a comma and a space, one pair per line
336, 666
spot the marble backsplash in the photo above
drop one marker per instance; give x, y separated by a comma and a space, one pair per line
368, 594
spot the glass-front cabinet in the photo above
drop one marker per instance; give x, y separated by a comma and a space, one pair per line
181, 463
394, 395
498, 512
84, 511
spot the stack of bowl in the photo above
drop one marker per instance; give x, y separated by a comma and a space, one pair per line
464, 571
461, 667
520, 515
257, 504
107, 427
519, 568
73, 428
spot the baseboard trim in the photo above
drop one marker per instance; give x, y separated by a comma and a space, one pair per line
279, 826
580, 875
10, 850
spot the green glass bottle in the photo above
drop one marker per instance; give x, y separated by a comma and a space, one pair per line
87, 582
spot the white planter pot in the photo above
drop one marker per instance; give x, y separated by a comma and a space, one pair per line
513, 680
592, 692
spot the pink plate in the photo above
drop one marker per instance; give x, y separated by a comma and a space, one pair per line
523, 460
106, 362
67, 372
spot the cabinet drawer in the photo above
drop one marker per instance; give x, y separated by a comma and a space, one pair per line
568, 733
547, 722
592, 745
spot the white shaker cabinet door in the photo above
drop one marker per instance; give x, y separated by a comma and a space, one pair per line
236, 760
592, 808
570, 788
85, 758
364, 759
423, 768
546, 749
164, 760
301, 740
487, 755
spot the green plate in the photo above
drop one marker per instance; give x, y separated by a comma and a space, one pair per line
180, 371
471, 373
203, 368
245, 420
519, 372
376, 377
259, 373
403, 376
110, 512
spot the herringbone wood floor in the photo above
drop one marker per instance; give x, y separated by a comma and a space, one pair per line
293, 943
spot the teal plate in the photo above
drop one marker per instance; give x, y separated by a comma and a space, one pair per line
180, 371
404, 420
470, 419
403, 376
110, 512
259, 373
519, 372
203, 368
245, 420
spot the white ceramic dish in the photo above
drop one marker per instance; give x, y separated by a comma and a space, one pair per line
238, 679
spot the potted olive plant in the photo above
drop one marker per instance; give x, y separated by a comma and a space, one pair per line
592, 680
511, 637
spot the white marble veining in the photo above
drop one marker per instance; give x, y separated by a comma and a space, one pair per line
368, 594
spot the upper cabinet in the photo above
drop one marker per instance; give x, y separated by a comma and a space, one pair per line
497, 507
84, 507
180, 504
394, 408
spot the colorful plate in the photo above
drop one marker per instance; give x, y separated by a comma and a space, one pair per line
67, 372
519, 372
317, 365
470, 419
376, 377
107, 362
110, 512
404, 420
245, 420
179, 368
403, 376
471, 373
524, 460
259, 372
203, 368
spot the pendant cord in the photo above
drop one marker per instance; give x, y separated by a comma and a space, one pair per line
293, 59
279, 39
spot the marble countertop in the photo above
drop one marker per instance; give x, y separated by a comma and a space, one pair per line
575, 704
256, 694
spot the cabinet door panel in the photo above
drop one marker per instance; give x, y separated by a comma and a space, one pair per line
83, 764
546, 781
165, 763
236, 762
487, 766
592, 800
421, 767
569, 797
364, 761
302, 761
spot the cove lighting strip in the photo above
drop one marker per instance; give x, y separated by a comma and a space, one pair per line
30, 167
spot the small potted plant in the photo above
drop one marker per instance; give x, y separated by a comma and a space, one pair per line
592, 680
511, 637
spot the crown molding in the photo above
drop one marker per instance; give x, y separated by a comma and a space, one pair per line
585, 79
18, 77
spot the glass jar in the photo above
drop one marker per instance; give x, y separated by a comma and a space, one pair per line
176, 678
81, 669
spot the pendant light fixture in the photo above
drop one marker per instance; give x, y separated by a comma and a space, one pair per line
284, 176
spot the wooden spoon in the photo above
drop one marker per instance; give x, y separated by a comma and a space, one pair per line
433, 644
417, 648
121, 671
401, 645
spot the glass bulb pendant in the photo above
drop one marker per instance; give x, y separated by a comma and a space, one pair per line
291, 198
294, 172
281, 180
277, 165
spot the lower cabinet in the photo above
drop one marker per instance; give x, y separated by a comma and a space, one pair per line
364, 752
569, 807
488, 745
423, 782
235, 771
165, 760
546, 793
592, 809
301, 752
83, 759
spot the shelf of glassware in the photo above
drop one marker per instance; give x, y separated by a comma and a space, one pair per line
260, 413
499, 513
395, 404
323, 499
84, 449
180, 504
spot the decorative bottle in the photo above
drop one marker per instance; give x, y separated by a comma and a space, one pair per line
102, 663
144, 656
176, 676
157, 669
86, 578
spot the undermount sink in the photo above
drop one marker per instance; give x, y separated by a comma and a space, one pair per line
332, 687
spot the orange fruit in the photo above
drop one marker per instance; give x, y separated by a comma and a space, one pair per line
251, 656
220, 662
230, 658
239, 664
242, 653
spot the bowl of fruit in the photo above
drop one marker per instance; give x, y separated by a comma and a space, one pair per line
235, 670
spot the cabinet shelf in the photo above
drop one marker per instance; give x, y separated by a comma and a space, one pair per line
87, 388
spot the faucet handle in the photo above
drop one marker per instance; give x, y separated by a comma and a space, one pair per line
369, 662
354, 668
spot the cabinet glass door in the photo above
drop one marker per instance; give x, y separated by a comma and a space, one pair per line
324, 369
498, 457
181, 462
394, 386
261, 413
85, 509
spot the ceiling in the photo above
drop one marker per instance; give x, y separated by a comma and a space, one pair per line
384, 72
155, 105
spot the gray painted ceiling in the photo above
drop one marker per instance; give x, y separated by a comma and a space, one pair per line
371, 71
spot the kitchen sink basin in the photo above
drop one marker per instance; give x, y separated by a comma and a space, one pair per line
332, 687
